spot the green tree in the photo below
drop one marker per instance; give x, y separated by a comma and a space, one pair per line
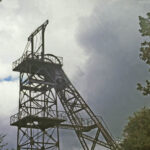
137, 132
145, 49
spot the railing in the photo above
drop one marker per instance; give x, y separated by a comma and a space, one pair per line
37, 56
85, 122
51, 115
21, 59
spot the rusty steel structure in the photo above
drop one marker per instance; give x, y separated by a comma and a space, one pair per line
48, 102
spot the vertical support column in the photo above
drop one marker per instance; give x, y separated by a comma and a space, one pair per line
41, 30
18, 135
43, 45
57, 117
43, 139
32, 46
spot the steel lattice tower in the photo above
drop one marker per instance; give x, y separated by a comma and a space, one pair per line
43, 84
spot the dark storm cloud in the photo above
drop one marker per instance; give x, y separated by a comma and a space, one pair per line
111, 39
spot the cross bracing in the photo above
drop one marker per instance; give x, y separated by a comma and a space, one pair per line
44, 86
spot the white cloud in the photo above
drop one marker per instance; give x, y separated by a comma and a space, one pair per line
20, 18
6, 70
9, 97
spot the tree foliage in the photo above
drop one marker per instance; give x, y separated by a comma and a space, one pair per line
145, 49
137, 132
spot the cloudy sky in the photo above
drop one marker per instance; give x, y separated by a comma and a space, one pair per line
99, 41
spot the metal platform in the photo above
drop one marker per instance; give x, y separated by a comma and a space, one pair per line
38, 120
29, 63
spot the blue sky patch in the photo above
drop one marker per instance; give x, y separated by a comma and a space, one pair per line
8, 78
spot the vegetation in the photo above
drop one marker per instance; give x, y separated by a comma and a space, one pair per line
145, 49
137, 131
